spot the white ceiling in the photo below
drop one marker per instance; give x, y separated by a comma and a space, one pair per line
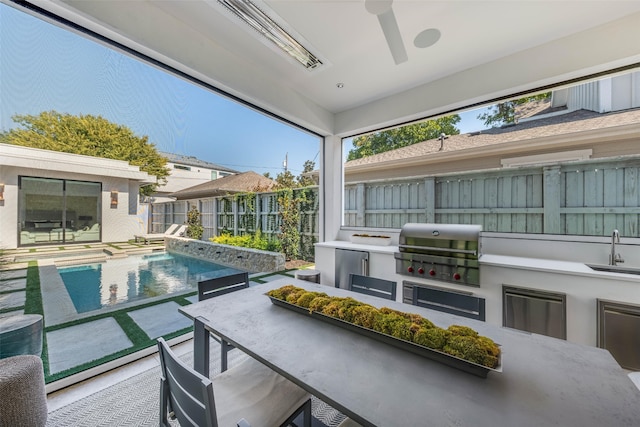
486, 49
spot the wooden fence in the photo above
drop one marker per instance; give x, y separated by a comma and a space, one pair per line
589, 198
242, 214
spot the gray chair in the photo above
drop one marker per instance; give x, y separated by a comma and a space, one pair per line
217, 286
372, 286
248, 392
22, 392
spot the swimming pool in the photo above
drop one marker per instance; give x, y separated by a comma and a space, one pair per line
134, 278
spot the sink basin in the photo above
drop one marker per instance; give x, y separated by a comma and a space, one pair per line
614, 269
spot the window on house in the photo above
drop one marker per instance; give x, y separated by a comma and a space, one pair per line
181, 167
53, 211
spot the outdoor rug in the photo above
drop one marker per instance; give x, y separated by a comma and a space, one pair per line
135, 402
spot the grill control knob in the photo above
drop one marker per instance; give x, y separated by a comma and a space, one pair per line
421, 270
410, 269
456, 276
432, 272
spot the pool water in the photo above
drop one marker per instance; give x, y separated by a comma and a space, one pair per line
134, 278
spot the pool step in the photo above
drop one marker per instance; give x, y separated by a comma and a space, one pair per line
81, 260
115, 253
67, 253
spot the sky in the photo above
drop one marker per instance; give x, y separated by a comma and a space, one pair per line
44, 67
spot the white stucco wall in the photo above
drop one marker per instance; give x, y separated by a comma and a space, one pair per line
118, 224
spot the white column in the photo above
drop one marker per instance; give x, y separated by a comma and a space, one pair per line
331, 188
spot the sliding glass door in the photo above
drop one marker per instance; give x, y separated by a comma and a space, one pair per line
53, 211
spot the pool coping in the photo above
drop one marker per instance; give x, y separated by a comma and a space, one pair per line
57, 305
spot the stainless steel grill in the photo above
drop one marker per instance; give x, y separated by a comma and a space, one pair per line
443, 252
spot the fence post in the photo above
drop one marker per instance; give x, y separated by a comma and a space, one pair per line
234, 210
430, 199
214, 219
360, 205
551, 200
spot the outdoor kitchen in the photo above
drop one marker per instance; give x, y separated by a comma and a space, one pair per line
546, 284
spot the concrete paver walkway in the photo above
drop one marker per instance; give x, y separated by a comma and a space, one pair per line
78, 344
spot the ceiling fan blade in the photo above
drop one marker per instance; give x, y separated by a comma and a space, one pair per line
383, 10
392, 34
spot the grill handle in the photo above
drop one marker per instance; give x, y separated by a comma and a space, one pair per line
365, 267
434, 249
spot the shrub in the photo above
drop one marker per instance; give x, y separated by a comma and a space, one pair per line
253, 241
194, 224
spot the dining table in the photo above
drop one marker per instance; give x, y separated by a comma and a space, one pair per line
542, 381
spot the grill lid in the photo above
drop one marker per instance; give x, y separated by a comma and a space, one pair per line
418, 231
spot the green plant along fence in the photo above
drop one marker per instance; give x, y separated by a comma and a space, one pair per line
242, 214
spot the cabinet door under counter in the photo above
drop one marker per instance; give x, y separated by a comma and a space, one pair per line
619, 331
535, 310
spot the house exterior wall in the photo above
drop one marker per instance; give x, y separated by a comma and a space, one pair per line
118, 223
188, 173
181, 179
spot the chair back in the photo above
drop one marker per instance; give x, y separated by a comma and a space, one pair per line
222, 285
372, 286
172, 229
179, 232
184, 392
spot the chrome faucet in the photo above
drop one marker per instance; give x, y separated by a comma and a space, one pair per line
615, 258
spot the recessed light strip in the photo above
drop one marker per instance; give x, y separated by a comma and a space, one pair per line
258, 20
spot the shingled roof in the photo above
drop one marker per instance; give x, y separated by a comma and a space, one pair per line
563, 124
240, 183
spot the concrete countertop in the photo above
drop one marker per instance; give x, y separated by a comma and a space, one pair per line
553, 266
342, 244
534, 264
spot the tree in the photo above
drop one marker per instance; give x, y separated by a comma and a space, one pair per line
91, 136
289, 211
391, 139
194, 224
304, 179
285, 180
506, 112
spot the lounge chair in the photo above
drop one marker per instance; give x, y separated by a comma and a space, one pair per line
88, 234
174, 230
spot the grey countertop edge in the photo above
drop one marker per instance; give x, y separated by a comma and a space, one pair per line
342, 244
570, 268
553, 266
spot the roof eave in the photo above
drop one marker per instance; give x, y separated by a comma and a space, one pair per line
567, 140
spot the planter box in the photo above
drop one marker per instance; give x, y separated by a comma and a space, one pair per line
371, 240
438, 356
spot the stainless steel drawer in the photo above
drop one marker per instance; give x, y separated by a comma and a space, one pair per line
619, 332
535, 310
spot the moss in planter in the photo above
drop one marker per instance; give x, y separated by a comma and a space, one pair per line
283, 292
365, 316
319, 303
471, 349
434, 337
459, 341
306, 298
463, 331
393, 324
